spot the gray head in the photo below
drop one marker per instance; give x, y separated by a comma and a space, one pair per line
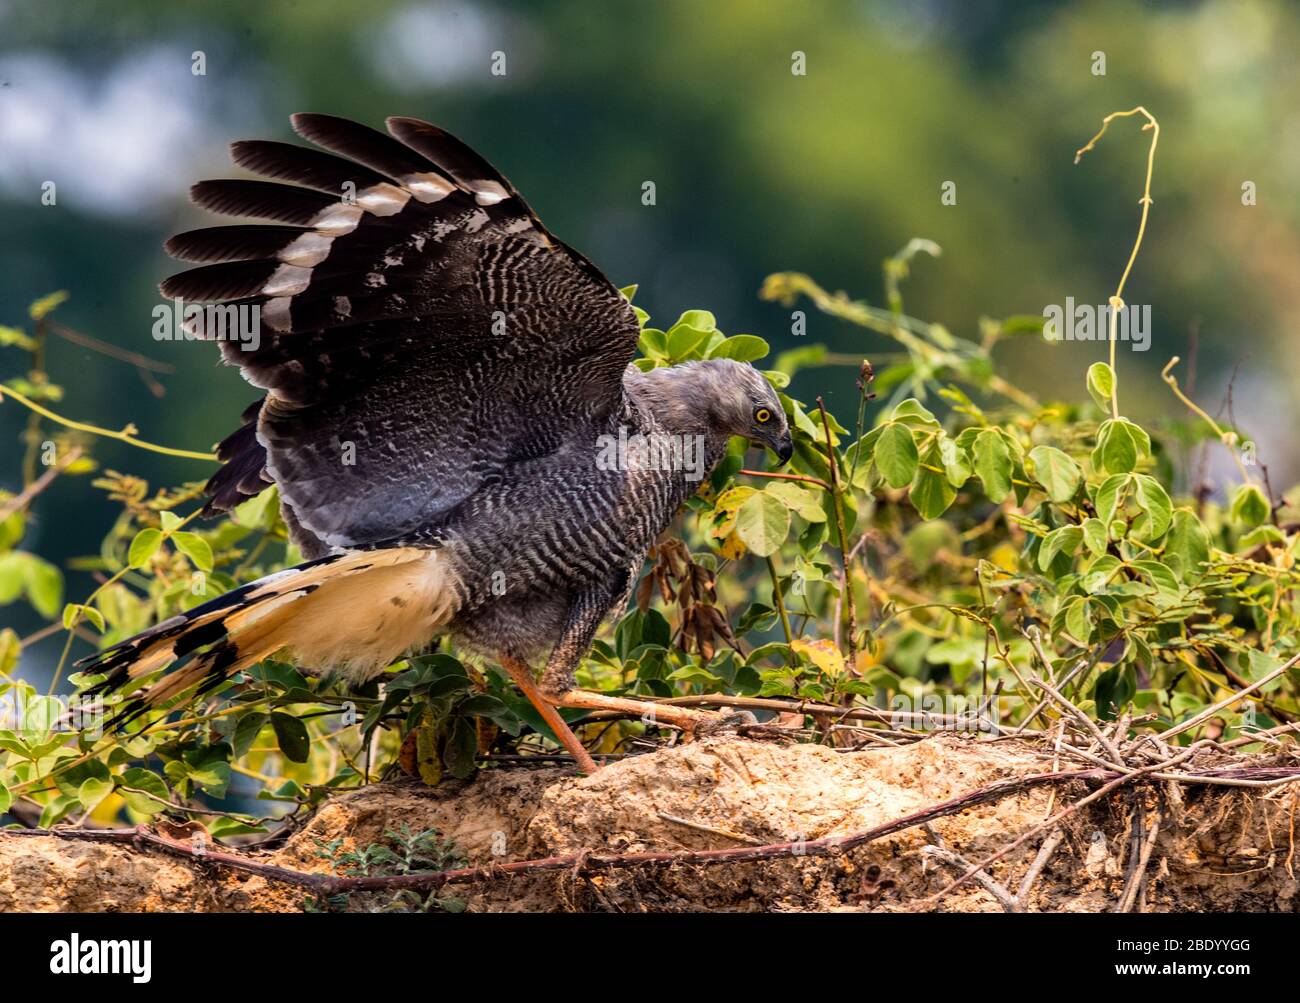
719, 396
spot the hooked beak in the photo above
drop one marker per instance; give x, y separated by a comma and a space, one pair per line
785, 448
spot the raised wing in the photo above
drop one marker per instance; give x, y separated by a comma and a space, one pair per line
420, 331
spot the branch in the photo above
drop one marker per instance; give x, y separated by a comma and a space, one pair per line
126, 435
787, 477
21, 501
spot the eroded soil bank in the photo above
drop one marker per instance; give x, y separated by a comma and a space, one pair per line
1218, 849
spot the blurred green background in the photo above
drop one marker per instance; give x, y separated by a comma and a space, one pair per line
756, 169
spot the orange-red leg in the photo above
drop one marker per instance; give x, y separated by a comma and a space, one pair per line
523, 677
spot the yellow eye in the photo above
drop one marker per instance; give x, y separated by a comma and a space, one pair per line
762, 416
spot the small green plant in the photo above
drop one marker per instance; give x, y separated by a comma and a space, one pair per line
401, 852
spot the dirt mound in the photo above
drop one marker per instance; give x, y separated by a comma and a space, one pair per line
1216, 849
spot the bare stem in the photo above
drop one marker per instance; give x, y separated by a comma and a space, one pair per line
1117, 300
1229, 439
837, 501
126, 435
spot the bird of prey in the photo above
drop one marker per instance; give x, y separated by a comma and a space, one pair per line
440, 373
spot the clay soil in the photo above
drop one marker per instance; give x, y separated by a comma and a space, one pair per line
1218, 849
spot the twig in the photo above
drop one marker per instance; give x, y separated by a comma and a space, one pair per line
112, 351
787, 477
1209, 712
24, 498
1256, 736
1064, 813
701, 827
126, 435
779, 601
838, 504
960, 863
1045, 851
1117, 300
856, 713
1228, 439
1083, 719
1147, 843
839, 597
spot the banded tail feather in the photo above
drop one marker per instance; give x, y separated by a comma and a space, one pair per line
352, 613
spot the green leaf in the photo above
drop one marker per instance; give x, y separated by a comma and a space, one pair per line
144, 780
653, 342
461, 749
763, 523
14, 337
1079, 620
1256, 664
56, 810
1249, 506
218, 828
895, 455
1101, 384
195, 548
931, 492
10, 648
993, 464
1258, 537
1094, 536
741, 348
1116, 452
213, 777
74, 611
47, 304
6, 799
792, 360
1187, 547
799, 500
291, 734
260, 511
169, 520
683, 340
1113, 691
1156, 507
246, 731
913, 412
1065, 540
143, 547
93, 791
44, 586
1158, 574
1057, 473
13, 576
702, 319
1099, 573
956, 464
1108, 497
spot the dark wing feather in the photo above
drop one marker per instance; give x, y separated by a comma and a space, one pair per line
243, 471
416, 339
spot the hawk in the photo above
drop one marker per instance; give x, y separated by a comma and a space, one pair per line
441, 376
